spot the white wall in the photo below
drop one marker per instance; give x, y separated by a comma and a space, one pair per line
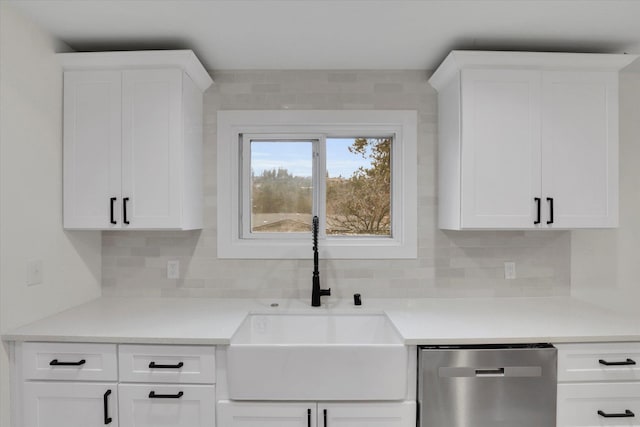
605, 264
449, 264
31, 189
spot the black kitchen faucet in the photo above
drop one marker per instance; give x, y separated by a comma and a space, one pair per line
316, 292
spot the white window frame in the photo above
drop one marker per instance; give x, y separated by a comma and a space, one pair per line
232, 125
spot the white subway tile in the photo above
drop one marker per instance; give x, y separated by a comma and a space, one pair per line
450, 264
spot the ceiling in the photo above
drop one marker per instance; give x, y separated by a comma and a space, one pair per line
339, 34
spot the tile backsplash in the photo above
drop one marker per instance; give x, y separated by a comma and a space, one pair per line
449, 263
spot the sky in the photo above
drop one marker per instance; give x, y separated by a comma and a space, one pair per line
296, 157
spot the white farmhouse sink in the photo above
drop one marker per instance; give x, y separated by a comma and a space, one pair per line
317, 357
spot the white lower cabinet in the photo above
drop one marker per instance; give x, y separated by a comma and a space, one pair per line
312, 414
374, 414
266, 414
78, 385
598, 385
70, 404
154, 405
598, 404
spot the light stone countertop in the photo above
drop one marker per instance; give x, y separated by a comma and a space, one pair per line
420, 321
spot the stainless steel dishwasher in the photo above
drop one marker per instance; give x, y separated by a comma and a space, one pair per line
487, 386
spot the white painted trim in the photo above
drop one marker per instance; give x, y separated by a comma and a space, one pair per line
16, 382
185, 59
402, 124
463, 59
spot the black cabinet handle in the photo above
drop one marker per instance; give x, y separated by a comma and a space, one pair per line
308, 417
55, 362
626, 414
124, 210
324, 414
537, 200
112, 207
154, 365
550, 200
105, 402
626, 362
153, 395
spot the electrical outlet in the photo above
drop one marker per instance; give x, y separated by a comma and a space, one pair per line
173, 269
509, 270
34, 272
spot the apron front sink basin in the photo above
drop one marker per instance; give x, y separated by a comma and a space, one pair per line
317, 357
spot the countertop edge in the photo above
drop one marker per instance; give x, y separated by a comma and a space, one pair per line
524, 340
115, 340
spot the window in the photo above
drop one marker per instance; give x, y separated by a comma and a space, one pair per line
278, 186
358, 186
356, 170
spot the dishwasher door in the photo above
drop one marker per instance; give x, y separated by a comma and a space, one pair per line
487, 386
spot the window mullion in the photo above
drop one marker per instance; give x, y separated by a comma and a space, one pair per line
319, 185
245, 180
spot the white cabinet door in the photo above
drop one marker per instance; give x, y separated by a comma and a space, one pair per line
151, 148
500, 148
598, 404
153, 405
92, 136
374, 414
580, 148
263, 414
69, 404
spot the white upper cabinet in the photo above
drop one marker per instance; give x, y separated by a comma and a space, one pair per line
92, 147
133, 140
502, 108
580, 147
528, 140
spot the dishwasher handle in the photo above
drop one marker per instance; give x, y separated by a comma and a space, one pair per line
489, 372
496, 372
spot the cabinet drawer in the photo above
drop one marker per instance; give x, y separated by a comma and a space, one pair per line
167, 364
599, 362
153, 405
578, 404
65, 361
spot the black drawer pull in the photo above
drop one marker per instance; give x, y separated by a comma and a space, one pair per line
111, 203
153, 395
550, 200
124, 210
55, 362
537, 200
154, 365
324, 414
625, 363
308, 417
105, 402
627, 414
